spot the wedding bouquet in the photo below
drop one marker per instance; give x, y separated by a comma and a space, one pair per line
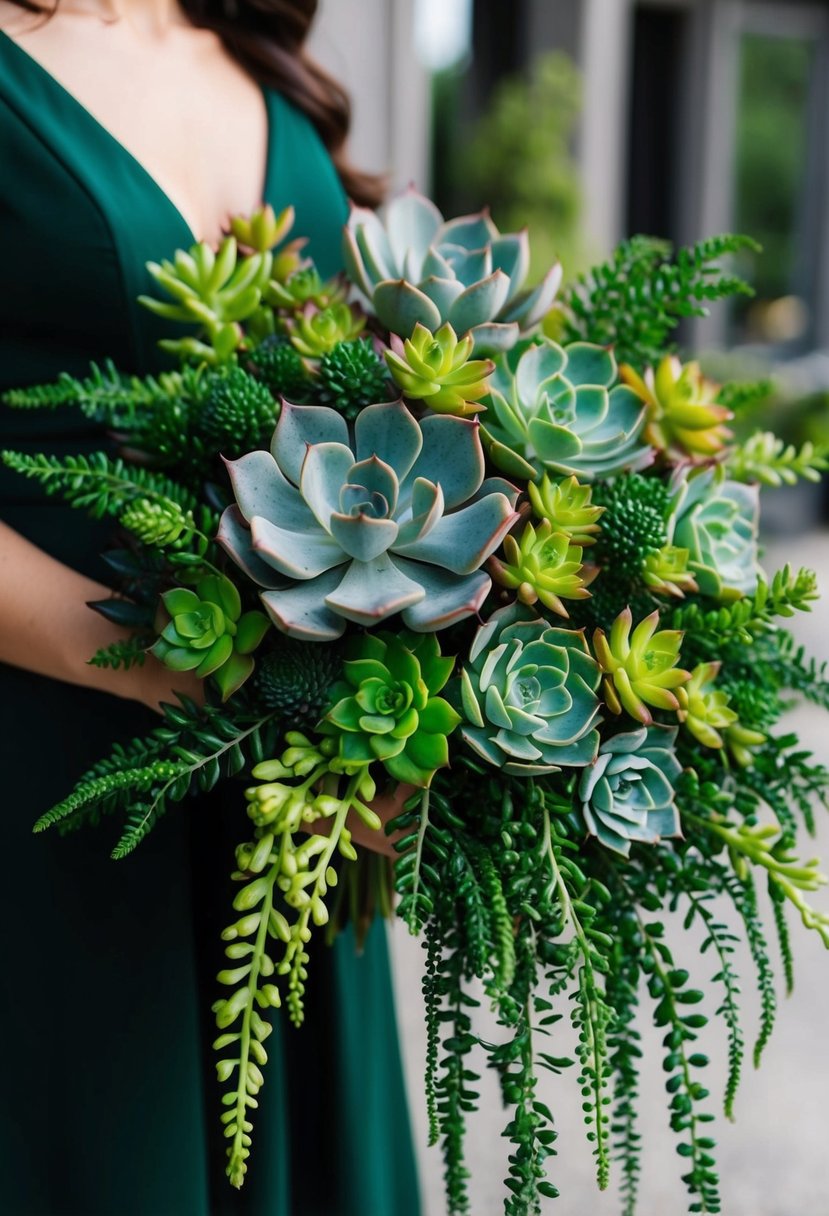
421, 526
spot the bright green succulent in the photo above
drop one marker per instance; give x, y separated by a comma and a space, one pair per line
544, 566
208, 633
628, 795
414, 267
717, 520
215, 290
314, 331
397, 518
263, 229
528, 694
704, 708
559, 409
665, 571
437, 368
640, 669
568, 505
238, 412
304, 286
742, 742
386, 707
684, 419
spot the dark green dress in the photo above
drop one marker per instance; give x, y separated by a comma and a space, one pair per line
108, 1103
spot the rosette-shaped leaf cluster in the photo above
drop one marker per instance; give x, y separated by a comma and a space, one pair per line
559, 409
717, 521
316, 331
544, 566
263, 229
568, 505
704, 708
396, 519
412, 266
386, 707
238, 412
640, 669
437, 368
304, 286
627, 796
528, 694
351, 376
684, 419
665, 571
208, 633
295, 679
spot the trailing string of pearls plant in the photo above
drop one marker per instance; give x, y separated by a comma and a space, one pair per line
419, 526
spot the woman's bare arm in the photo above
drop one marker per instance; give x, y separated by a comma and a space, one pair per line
46, 627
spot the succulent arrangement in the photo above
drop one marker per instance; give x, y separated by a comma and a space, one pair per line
416, 529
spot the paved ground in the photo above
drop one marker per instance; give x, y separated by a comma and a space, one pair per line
773, 1159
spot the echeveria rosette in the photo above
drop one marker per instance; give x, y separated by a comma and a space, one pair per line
568, 506
665, 572
717, 521
640, 669
439, 370
316, 331
528, 694
544, 565
628, 795
560, 410
414, 267
386, 708
209, 634
684, 419
704, 709
397, 518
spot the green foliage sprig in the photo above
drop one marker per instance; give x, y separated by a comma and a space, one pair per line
773, 462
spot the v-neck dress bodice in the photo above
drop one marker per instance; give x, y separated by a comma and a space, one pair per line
109, 1105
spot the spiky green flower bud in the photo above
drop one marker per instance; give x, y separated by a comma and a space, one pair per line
665, 571
705, 709
543, 566
279, 366
640, 670
568, 506
239, 413
634, 523
295, 679
438, 369
208, 633
351, 376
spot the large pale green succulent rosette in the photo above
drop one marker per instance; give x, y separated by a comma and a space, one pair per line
413, 267
560, 410
339, 528
717, 521
627, 796
528, 694
386, 707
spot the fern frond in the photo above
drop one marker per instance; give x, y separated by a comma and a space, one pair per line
98, 484
766, 459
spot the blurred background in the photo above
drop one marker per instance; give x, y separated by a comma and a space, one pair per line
589, 121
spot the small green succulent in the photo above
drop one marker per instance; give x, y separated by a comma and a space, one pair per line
386, 708
628, 795
295, 679
665, 572
263, 229
315, 331
544, 566
634, 524
351, 376
438, 369
279, 366
684, 419
717, 521
238, 414
704, 709
208, 633
742, 742
640, 669
292, 292
528, 694
568, 505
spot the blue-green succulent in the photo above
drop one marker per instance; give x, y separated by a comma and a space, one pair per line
717, 521
560, 410
340, 527
528, 694
413, 267
627, 796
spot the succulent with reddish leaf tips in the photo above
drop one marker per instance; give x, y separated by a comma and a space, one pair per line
705, 709
628, 795
684, 419
414, 267
560, 409
567, 505
386, 707
543, 566
665, 572
528, 693
437, 368
717, 521
208, 633
396, 519
640, 670
263, 229
314, 332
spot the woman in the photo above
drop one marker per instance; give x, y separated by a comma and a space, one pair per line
127, 129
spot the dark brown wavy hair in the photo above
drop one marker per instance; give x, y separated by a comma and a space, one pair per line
267, 37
